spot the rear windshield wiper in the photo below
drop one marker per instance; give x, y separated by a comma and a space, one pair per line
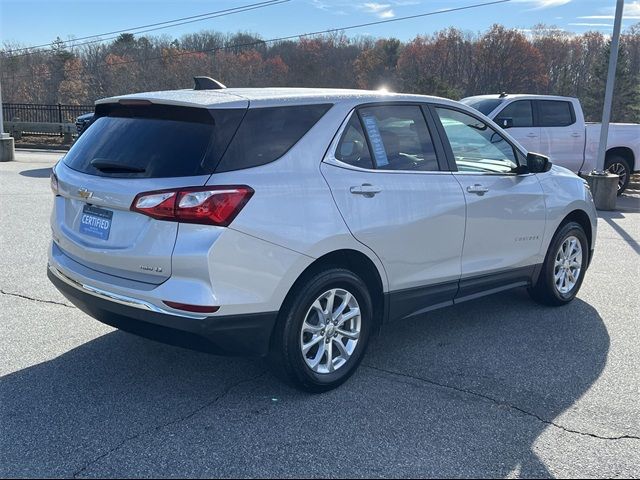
105, 165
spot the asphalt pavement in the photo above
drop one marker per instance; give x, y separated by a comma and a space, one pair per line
497, 387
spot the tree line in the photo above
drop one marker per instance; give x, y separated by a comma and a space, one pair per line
450, 63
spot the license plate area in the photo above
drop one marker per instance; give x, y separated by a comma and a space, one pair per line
96, 222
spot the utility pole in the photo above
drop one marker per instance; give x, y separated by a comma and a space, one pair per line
1, 121
7, 152
604, 185
608, 92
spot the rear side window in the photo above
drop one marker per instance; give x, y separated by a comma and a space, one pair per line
555, 113
353, 148
398, 139
268, 133
519, 112
153, 141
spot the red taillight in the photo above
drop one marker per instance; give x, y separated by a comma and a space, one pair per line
206, 205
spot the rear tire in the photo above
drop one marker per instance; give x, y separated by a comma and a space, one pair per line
619, 166
323, 330
564, 267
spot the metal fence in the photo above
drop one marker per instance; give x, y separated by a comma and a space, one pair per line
29, 112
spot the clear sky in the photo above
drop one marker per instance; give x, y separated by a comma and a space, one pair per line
32, 22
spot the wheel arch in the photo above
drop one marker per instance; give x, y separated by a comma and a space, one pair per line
624, 152
582, 218
355, 261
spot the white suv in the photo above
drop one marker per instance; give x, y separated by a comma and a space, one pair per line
294, 222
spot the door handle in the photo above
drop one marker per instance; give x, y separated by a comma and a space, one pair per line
576, 134
477, 189
365, 189
531, 135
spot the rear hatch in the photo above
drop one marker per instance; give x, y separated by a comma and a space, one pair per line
129, 149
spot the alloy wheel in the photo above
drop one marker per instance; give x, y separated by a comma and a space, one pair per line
330, 331
619, 169
567, 265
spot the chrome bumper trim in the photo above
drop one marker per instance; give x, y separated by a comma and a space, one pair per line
117, 298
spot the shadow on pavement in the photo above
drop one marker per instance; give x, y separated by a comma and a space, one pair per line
455, 393
37, 173
610, 218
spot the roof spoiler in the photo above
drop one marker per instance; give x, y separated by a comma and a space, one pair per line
207, 83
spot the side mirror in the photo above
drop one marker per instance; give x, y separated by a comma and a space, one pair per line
537, 163
505, 122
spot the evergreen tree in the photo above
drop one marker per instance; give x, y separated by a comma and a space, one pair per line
626, 93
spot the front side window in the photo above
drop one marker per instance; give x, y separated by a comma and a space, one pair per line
555, 113
476, 146
397, 137
520, 113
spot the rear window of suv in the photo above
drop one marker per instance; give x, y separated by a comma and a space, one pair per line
155, 141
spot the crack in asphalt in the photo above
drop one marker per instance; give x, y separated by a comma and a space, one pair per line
501, 403
19, 295
183, 418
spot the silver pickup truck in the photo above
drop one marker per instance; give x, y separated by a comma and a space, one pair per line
555, 126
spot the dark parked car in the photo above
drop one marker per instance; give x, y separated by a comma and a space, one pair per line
83, 121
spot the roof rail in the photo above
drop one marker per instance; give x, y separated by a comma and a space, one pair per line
207, 83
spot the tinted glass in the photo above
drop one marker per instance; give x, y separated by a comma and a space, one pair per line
399, 138
485, 106
268, 133
554, 113
476, 146
352, 148
153, 142
519, 112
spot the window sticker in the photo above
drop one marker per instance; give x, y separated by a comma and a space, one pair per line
379, 153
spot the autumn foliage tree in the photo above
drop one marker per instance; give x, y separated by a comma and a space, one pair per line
449, 63
72, 90
436, 65
376, 67
504, 60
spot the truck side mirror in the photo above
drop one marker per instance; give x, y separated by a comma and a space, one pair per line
505, 122
537, 163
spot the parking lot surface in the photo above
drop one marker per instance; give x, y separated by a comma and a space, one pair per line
498, 387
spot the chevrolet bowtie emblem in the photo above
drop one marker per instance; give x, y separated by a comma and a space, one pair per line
84, 193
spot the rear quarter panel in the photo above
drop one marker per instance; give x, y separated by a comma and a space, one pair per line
292, 206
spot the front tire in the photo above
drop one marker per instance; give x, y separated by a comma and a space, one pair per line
564, 267
323, 330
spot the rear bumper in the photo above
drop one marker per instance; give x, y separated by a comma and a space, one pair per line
246, 335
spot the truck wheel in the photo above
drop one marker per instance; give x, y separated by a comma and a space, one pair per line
618, 165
